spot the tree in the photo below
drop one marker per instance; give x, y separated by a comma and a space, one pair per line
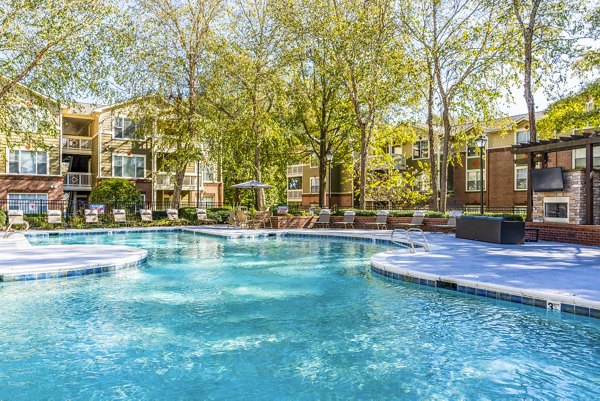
547, 31
115, 192
58, 48
318, 112
572, 112
369, 52
171, 60
465, 48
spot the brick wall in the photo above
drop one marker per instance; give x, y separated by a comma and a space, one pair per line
568, 233
51, 185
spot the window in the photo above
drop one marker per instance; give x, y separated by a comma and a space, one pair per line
520, 178
123, 128
474, 180
27, 162
396, 150
589, 106
295, 183
521, 136
28, 203
129, 166
421, 149
579, 157
314, 185
208, 202
208, 175
421, 183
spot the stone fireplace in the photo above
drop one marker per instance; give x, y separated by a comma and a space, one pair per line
567, 206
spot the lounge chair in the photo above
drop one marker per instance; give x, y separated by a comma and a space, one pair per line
55, 218
91, 216
348, 219
324, 219
381, 218
146, 215
202, 218
417, 220
241, 219
120, 217
231, 220
15, 217
172, 214
450, 225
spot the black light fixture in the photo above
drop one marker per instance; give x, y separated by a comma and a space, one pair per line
329, 158
481, 143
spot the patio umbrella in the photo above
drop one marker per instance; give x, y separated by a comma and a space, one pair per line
254, 185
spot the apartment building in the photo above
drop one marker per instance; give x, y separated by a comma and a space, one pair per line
90, 144
504, 179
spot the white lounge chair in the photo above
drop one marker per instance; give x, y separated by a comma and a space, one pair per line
172, 214
348, 219
450, 225
120, 217
146, 215
91, 216
324, 219
55, 217
381, 218
202, 217
417, 220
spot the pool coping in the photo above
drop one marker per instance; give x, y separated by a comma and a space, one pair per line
568, 304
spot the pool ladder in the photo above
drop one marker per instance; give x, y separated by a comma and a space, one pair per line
403, 237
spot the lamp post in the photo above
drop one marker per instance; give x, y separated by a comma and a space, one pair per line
197, 184
481, 143
329, 157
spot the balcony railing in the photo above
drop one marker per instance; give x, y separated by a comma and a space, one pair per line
165, 181
294, 195
295, 170
75, 181
77, 143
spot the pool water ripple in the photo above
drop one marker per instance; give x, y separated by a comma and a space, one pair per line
278, 319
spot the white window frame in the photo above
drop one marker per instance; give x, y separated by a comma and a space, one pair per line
113, 125
517, 132
133, 155
526, 178
317, 185
595, 155
42, 209
204, 172
8, 151
417, 147
467, 170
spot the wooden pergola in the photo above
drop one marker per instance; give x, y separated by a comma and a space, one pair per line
585, 140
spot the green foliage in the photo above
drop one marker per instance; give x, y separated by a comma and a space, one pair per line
116, 191
3, 218
188, 213
159, 215
218, 214
571, 112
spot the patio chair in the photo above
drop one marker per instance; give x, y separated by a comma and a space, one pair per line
55, 218
417, 220
172, 214
15, 217
91, 216
202, 218
348, 219
231, 220
256, 220
324, 219
381, 218
241, 219
120, 217
450, 225
146, 215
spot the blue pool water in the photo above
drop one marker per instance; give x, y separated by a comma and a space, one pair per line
278, 319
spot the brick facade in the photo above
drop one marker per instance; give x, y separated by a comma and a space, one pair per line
44, 184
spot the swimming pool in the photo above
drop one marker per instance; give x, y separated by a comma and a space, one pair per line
278, 319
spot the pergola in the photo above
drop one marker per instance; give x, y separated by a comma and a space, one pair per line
585, 140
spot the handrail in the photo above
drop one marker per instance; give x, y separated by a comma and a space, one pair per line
7, 232
406, 239
424, 244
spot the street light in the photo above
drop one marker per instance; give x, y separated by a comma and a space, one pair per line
481, 143
329, 158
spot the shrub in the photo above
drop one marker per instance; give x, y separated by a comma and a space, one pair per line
115, 191
436, 214
219, 214
159, 214
2, 218
188, 213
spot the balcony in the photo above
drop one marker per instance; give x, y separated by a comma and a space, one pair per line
77, 182
295, 170
164, 181
81, 145
383, 163
294, 195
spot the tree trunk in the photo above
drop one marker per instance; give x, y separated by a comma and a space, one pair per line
527, 86
260, 194
364, 160
432, 153
179, 176
444, 161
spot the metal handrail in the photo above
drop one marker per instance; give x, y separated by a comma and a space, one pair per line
424, 244
406, 239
